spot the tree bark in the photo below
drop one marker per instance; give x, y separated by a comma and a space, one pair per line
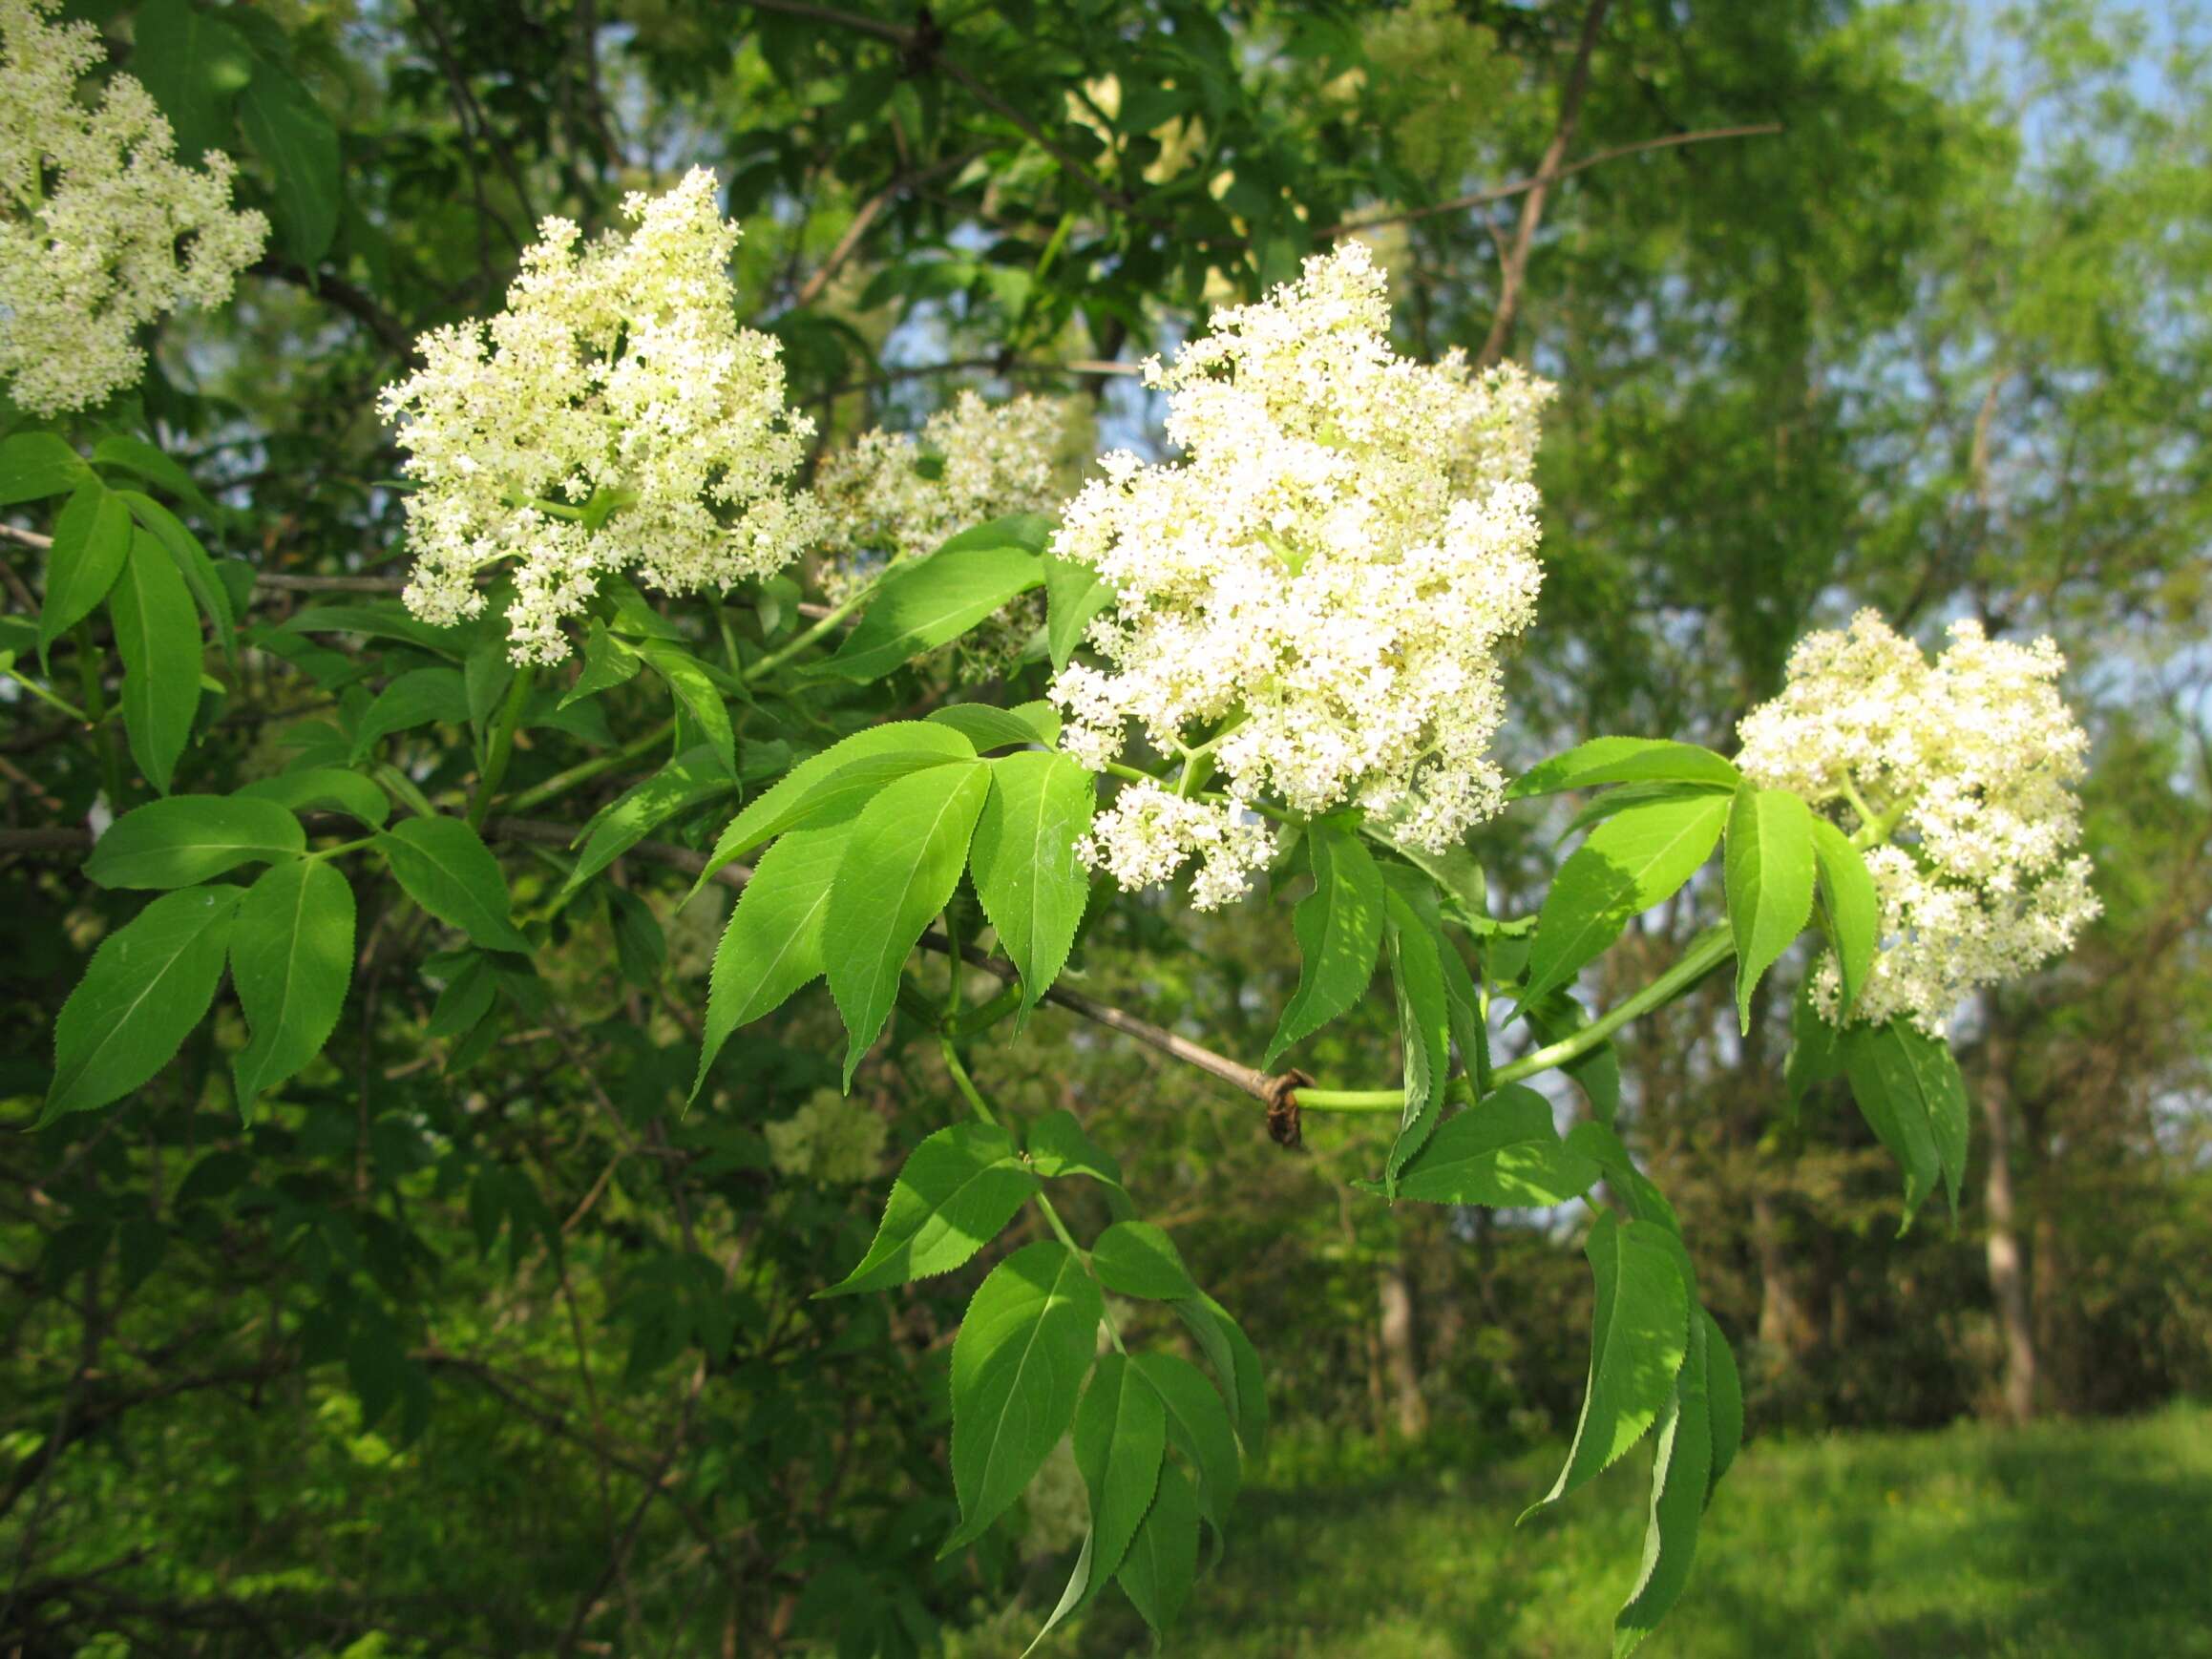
2008, 1270
1396, 1329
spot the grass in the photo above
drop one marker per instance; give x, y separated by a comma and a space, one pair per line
2089, 1539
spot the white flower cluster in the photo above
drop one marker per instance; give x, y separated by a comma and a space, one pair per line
102, 229
896, 496
831, 1138
1315, 594
1971, 761
617, 373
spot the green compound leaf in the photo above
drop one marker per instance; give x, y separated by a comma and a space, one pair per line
164, 526
773, 943
1059, 1146
1163, 1560
1017, 1365
1121, 1439
291, 958
1886, 1088
1852, 906
901, 865
691, 780
92, 537
696, 695
1504, 1153
954, 1194
1639, 1333
1032, 886
1624, 760
446, 868
187, 839
797, 793
1723, 1398
1769, 869
148, 985
1424, 1022
923, 604
419, 697
1627, 864
1681, 1480
1339, 930
1138, 1259
1943, 1096
157, 637
607, 662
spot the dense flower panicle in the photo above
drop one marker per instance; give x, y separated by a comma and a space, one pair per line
1319, 587
896, 496
1147, 835
618, 368
102, 228
1974, 757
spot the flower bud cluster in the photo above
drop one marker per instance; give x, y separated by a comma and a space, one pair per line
1316, 590
102, 228
1968, 763
617, 378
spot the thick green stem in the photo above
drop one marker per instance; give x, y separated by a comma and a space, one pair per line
501, 749
92, 662
1706, 953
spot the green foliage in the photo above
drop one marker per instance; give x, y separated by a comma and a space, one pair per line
954, 1194
291, 958
1503, 1152
90, 539
1339, 931
187, 839
1121, 1440
1631, 862
1027, 876
446, 868
1769, 864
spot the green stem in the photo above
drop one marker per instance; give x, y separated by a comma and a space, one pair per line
799, 641
1707, 951
501, 749
583, 771
91, 662
341, 846
12, 672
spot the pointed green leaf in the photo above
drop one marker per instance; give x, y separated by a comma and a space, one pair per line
1081, 1581
953, 1194
187, 839
332, 786
1851, 905
194, 65
119, 452
419, 697
691, 780
1887, 1091
1943, 1096
157, 637
794, 794
1598, 1070
1636, 1193
1504, 1153
1198, 1424
696, 695
1032, 885
1339, 930
1120, 1439
996, 728
1138, 1259
1624, 760
36, 465
1059, 1146
1724, 1399
1816, 1048
774, 942
929, 601
1423, 1024
1074, 594
1681, 1477
607, 662
192, 561
1640, 1332
147, 986
1162, 1563
1770, 882
1250, 1392
446, 868
291, 957
1017, 1365
92, 537
1627, 864
289, 131
904, 859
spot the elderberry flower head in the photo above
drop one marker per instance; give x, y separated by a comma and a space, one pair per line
1316, 590
102, 228
1968, 765
617, 378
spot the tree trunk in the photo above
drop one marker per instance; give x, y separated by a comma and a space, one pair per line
1396, 1327
2008, 1272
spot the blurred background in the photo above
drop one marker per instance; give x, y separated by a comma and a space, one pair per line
1895, 305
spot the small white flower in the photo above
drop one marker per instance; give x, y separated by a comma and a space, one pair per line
1975, 756
617, 366
102, 229
1322, 581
